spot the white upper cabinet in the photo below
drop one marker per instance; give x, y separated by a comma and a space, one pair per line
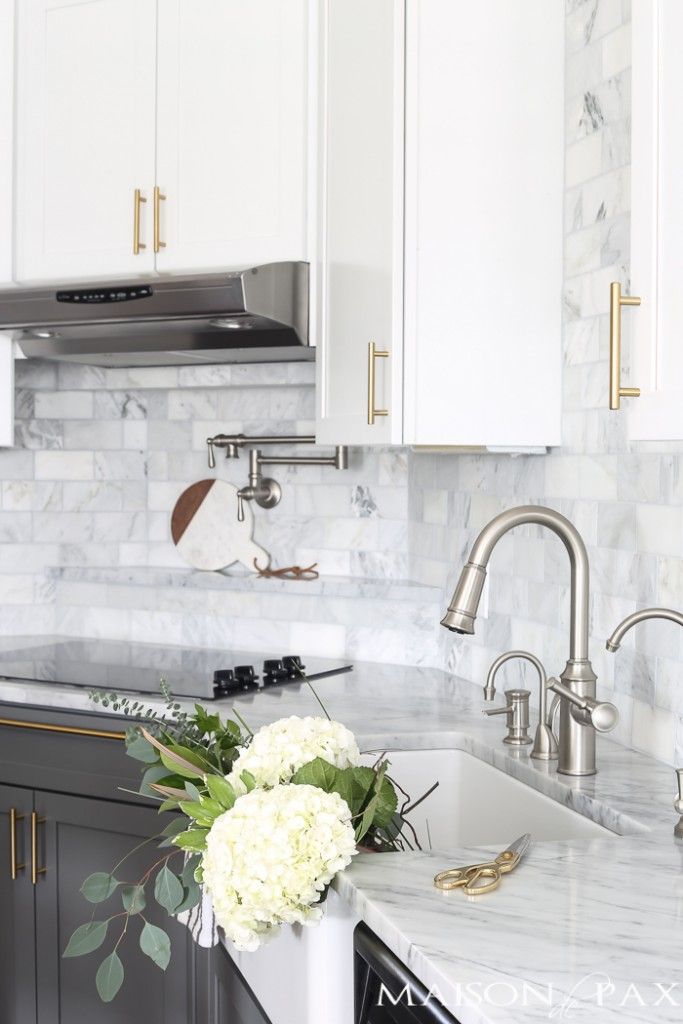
86, 84
464, 256
358, 280
163, 136
6, 391
6, 137
656, 224
232, 132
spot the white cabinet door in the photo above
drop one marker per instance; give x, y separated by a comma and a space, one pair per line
358, 276
656, 225
484, 198
6, 391
86, 82
232, 132
6, 137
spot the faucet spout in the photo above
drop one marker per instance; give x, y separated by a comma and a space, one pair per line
462, 611
614, 642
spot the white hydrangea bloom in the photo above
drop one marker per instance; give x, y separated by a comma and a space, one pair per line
269, 858
278, 750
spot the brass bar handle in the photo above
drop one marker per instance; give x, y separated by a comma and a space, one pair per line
617, 300
35, 870
15, 867
158, 196
138, 199
373, 354
70, 730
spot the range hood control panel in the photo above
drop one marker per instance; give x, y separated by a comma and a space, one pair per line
95, 296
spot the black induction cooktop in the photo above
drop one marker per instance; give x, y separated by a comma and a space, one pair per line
128, 667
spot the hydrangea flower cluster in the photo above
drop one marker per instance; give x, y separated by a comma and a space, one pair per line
278, 750
269, 858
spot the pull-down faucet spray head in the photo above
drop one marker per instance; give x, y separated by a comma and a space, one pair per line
462, 611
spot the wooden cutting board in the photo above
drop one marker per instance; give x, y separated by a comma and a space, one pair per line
206, 531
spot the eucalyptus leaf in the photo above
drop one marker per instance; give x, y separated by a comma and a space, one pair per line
98, 887
86, 938
109, 977
154, 774
193, 896
192, 791
155, 943
168, 891
188, 871
133, 897
141, 750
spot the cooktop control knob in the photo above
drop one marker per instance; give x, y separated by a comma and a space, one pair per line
274, 672
246, 678
293, 666
224, 682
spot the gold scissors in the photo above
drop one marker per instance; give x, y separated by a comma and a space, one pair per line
476, 879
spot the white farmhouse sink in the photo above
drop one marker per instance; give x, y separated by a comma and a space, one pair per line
305, 975
477, 805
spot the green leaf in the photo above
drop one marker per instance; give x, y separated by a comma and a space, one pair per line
141, 749
86, 938
98, 887
248, 780
109, 977
168, 892
372, 805
386, 804
178, 759
194, 839
197, 812
155, 943
318, 773
133, 897
175, 827
221, 791
193, 895
191, 864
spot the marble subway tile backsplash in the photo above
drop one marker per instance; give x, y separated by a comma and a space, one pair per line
102, 455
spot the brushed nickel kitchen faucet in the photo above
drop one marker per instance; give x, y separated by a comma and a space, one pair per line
577, 692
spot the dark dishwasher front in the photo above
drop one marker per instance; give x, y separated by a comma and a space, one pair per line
385, 990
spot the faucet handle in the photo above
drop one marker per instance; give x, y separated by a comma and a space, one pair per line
601, 715
678, 804
517, 711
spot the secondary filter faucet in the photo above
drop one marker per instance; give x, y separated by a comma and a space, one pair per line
614, 643
576, 736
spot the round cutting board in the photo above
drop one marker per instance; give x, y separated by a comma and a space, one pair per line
206, 531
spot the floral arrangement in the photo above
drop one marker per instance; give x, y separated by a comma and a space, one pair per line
262, 822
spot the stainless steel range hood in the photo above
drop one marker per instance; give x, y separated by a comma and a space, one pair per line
258, 315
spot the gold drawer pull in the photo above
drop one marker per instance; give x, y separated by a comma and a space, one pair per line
158, 196
15, 868
374, 353
70, 730
35, 870
138, 198
617, 300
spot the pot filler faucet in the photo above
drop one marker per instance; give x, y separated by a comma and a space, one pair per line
576, 744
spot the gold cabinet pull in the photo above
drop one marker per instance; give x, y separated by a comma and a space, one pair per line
15, 867
35, 870
374, 353
138, 198
617, 300
69, 730
158, 196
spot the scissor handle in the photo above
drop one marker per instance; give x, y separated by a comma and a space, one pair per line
490, 872
453, 878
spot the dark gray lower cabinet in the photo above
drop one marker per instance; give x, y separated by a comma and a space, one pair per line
17, 927
74, 837
68, 784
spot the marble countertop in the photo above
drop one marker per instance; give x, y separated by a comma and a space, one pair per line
588, 931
